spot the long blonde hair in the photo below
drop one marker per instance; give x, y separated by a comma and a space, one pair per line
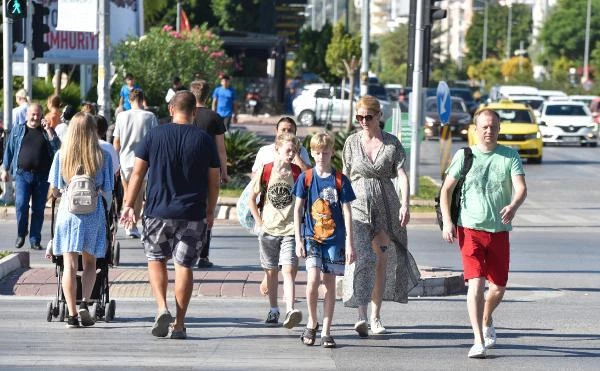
80, 152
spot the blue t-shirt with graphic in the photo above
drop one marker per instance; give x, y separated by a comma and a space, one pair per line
225, 99
323, 218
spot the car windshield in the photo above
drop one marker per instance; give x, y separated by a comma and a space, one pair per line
466, 95
457, 106
533, 103
515, 115
565, 110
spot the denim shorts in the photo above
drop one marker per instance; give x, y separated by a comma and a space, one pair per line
327, 258
276, 251
181, 240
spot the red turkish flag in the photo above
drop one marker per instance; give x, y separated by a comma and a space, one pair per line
184, 23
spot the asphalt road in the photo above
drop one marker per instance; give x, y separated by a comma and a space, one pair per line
549, 319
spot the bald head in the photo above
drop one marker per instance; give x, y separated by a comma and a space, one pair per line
34, 115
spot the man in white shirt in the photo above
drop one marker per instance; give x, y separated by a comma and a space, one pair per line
266, 153
131, 127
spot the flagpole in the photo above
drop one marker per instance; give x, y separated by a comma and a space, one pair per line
178, 27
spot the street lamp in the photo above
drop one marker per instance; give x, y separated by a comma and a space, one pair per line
586, 53
508, 34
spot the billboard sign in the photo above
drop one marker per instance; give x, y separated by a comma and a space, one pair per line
69, 47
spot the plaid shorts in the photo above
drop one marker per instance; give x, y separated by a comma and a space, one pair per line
181, 240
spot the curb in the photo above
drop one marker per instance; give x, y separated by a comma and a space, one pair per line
12, 262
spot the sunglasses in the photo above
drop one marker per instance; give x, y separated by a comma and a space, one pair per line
359, 118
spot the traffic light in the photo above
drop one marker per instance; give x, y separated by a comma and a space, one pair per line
16, 9
38, 44
432, 12
18, 31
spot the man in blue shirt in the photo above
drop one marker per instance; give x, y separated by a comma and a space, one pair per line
224, 102
183, 185
124, 104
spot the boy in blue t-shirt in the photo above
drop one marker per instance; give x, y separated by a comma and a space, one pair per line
325, 241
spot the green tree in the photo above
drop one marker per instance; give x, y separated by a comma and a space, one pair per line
391, 58
489, 70
162, 53
343, 59
312, 50
161, 12
563, 32
497, 31
238, 15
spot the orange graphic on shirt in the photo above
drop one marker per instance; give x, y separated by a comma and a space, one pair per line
324, 225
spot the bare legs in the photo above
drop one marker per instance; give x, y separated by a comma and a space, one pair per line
313, 279
289, 272
480, 308
69, 280
157, 274
380, 242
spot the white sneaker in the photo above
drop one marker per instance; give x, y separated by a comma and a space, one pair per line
477, 351
361, 328
376, 327
133, 232
489, 336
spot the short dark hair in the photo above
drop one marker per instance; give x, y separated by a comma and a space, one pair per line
68, 113
200, 89
288, 120
176, 80
136, 95
225, 76
128, 76
183, 101
101, 126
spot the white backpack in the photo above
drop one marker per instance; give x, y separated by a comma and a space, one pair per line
81, 195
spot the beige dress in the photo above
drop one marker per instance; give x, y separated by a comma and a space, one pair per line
376, 208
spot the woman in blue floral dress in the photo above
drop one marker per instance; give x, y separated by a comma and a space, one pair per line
80, 234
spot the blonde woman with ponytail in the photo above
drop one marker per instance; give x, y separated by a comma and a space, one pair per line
80, 234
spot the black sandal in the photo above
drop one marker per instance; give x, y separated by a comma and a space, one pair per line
327, 342
309, 334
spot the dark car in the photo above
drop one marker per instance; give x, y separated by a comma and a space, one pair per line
460, 118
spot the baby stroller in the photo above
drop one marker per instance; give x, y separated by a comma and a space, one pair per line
103, 308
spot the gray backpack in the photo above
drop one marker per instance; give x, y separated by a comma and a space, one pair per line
81, 195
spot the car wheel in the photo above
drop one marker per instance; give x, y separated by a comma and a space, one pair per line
535, 160
592, 144
307, 118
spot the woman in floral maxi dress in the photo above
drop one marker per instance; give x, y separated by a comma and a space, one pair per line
372, 158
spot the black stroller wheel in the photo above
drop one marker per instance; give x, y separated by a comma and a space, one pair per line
117, 254
55, 308
61, 312
49, 312
110, 311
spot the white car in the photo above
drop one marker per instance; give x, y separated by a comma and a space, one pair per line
568, 122
318, 104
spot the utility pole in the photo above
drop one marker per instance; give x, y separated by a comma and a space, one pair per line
27, 53
508, 33
313, 15
586, 53
178, 20
7, 44
104, 58
365, 31
485, 31
416, 114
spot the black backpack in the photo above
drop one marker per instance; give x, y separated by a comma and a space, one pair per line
456, 194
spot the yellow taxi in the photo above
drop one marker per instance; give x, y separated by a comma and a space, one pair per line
518, 129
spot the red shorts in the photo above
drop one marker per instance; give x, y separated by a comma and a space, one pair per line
484, 254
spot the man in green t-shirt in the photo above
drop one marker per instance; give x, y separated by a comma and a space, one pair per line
493, 190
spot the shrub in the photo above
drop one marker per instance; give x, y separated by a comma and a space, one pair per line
155, 58
242, 147
339, 138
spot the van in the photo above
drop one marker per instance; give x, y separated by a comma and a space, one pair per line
499, 92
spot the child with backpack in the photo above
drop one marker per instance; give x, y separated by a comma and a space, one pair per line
274, 223
323, 197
